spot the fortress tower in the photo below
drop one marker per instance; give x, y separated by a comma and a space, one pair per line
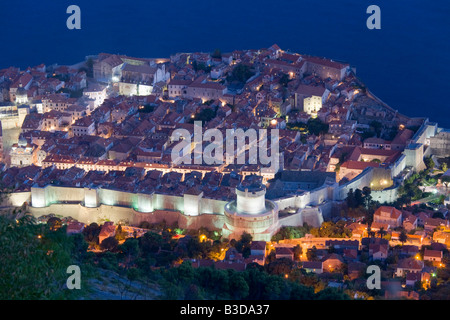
414, 156
251, 212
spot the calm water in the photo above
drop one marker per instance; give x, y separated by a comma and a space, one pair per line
406, 63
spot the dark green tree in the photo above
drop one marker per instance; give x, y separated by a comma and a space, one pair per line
359, 200
301, 292
238, 286
316, 126
130, 250
377, 126
298, 251
241, 73
192, 292
91, 232
351, 200
332, 294
280, 266
150, 242
109, 244
284, 80
311, 254
33, 260
381, 232
403, 237
54, 223
429, 163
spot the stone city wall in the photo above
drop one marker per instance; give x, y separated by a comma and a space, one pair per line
388, 195
360, 181
16, 199
129, 216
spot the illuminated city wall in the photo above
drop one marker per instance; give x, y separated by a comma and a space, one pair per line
189, 211
322, 194
312, 216
398, 166
387, 195
42, 197
126, 215
297, 201
381, 179
210, 221
163, 201
374, 178
145, 202
117, 198
192, 204
414, 156
91, 198
362, 180
38, 197
426, 131
213, 206
16, 199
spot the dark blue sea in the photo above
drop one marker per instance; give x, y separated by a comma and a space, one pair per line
406, 63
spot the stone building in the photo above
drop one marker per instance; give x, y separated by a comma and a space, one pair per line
22, 154
310, 98
440, 143
107, 67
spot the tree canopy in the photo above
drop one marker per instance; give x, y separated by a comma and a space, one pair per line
34, 259
241, 73
251, 284
330, 229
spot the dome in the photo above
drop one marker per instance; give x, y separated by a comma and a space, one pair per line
21, 92
23, 142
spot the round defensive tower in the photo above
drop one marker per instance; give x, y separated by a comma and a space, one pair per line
250, 199
251, 212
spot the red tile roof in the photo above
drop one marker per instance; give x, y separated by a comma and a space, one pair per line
391, 211
359, 165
